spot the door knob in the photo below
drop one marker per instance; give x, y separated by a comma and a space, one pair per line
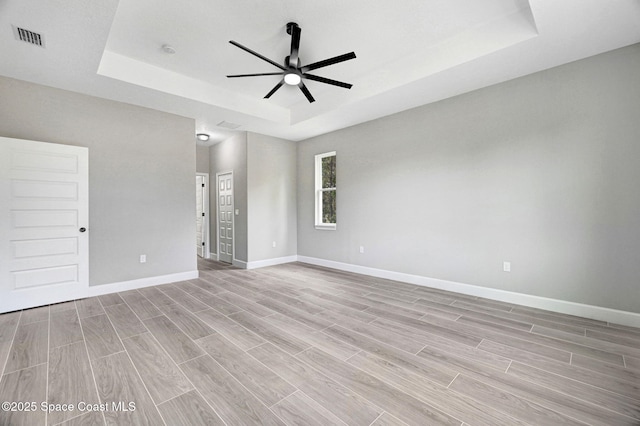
83, 229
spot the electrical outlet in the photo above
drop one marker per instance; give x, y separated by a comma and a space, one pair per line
143, 258
361, 249
506, 266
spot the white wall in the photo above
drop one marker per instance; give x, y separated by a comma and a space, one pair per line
271, 181
141, 175
541, 171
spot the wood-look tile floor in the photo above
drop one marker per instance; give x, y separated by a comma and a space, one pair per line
297, 344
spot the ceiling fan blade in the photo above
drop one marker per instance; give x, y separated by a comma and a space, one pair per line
295, 44
275, 88
306, 92
264, 58
327, 62
254, 75
327, 81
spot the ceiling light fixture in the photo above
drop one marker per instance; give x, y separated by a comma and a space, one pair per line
202, 137
292, 79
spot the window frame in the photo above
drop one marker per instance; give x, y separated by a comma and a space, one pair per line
319, 190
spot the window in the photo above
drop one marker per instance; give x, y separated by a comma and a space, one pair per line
326, 191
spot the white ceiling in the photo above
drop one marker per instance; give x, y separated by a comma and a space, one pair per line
409, 52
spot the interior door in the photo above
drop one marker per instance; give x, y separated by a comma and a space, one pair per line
200, 223
44, 213
225, 217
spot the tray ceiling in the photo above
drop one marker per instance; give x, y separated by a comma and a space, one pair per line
409, 53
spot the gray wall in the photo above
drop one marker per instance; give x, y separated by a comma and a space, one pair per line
141, 175
271, 181
541, 171
231, 156
202, 159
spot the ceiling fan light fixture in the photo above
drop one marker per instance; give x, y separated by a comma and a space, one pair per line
292, 79
202, 137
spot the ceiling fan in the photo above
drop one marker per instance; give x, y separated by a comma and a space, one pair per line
292, 71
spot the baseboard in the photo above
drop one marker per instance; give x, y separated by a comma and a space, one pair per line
262, 263
239, 263
561, 306
270, 262
140, 283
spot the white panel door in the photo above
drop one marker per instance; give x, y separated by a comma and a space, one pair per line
225, 217
44, 214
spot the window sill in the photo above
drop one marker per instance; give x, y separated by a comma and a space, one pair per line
327, 227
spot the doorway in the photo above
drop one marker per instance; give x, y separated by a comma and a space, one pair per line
225, 216
202, 215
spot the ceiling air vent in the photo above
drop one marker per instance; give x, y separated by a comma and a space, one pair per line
28, 36
228, 125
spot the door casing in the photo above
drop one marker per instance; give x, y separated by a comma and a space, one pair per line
206, 249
